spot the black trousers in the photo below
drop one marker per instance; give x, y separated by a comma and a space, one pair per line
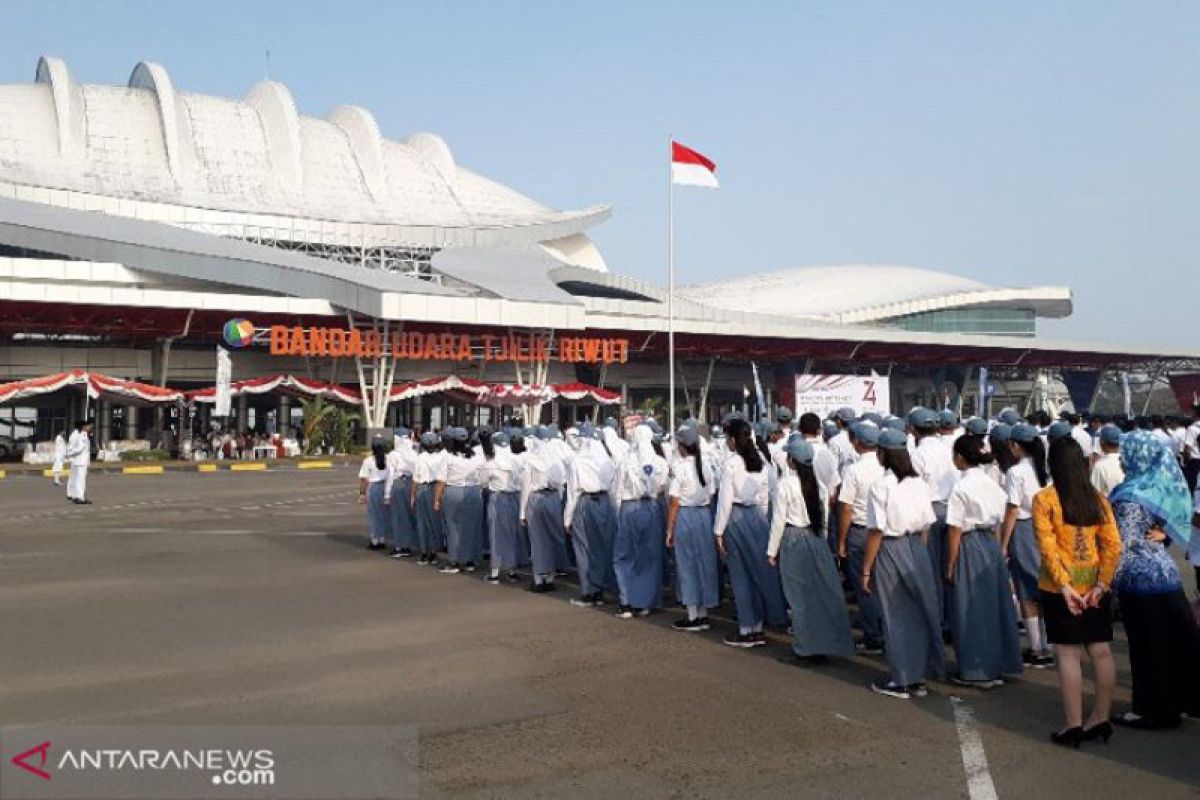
1164, 655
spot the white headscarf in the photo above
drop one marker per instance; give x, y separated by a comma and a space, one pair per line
641, 465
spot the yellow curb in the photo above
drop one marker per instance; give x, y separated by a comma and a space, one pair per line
49, 473
3, 474
247, 467
148, 469
207, 468
314, 465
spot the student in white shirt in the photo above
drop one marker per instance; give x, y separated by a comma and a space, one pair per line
897, 569
742, 531
79, 455
1024, 479
428, 469
542, 484
689, 531
403, 525
461, 500
853, 497
1107, 473
641, 538
807, 570
840, 442
932, 461
502, 472
373, 479
983, 621
60, 455
590, 518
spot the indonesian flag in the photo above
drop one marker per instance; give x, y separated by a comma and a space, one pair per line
690, 168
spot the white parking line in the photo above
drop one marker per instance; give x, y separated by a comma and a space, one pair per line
979, 778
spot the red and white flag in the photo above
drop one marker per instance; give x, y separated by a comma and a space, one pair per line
690, 168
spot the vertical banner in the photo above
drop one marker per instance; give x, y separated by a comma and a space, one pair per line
224, 383
982, 410
758, 391
1127, 393
1081, 385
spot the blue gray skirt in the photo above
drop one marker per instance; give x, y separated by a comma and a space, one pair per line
377, 513
404, 526
820, 623
462, 509
983, 621
593, 536
697, 564
868, 604
1024, 560
508, 547
547, 537
912, 624
429, 522
756, 589
638, 553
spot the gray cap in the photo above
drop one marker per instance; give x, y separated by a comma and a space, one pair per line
895, 424
783, 414
866, 435
800, 450
1000, 433
458, 434
1023, 433
654, 426
587, 431
830, 428
1110, 434
1059, 430
429, 438
874, 418
500, 439
687, 435
610, 422
892, 439
1009, 416
977, 426
530, 432
845, 414
545, 432
402, 431
923, 419
947, 418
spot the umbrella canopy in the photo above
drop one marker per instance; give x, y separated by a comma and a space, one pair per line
97, 387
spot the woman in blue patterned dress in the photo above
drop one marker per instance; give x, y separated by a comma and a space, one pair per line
1153, 509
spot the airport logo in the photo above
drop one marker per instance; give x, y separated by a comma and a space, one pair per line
238, 333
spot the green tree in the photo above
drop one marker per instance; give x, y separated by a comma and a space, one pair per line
315, 423
339, 428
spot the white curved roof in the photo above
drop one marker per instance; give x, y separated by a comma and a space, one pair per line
150, 142
863, 293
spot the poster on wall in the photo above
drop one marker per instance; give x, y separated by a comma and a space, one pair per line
224, 382
824, 394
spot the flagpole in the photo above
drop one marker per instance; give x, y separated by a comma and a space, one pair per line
670, 288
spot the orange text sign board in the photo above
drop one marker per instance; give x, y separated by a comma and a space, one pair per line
344, 343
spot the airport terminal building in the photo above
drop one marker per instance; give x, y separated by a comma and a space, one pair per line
138, 221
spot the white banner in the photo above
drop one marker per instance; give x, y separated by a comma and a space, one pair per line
224, 382
824, 394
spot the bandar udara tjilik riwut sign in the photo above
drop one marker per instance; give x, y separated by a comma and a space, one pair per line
285, 340
824, 394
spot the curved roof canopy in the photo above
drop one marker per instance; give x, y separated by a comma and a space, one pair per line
866, 293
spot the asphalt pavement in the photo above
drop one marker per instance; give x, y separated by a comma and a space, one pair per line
248, 598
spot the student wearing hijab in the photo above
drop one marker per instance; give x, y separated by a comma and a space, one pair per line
638, 550
459, 497
743, 530
403, 526
983, 621
1152, 510
1023, 480
689, 531
1080, 547
853, 498
590, 519
807, 570
429, 468
542, 510
502, 476
897, 568
373, 479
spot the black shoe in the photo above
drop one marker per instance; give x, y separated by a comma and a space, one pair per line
743, 640
1102, 731
1036, 660
886, 687
512, 577
1071, 737
541, 588
691, 625
797, 660
84, 502
493, 579
403, 552
585, 601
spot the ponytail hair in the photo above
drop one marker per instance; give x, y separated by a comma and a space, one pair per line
812, 494
1036, 451
380, 454
738, 431
898, 461
1080, 501
694, 452
971, 450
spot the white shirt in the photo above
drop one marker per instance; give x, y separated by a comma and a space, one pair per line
1080, 435
1191, 441
843, 449
590, 472
975, 502
1020, 485
685, 483
462, 471
542, 469
372, 473
898, 508
60, 448
1178, 438
635, 483
1193, 553
430, 467
827, 467
401, 459
933, 463
503, 472
856, 486
79, 449
1107, 473
741, 487
789, 509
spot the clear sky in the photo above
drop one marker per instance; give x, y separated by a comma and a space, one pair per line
1015, 143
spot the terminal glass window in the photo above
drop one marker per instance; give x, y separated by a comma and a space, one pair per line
982, 321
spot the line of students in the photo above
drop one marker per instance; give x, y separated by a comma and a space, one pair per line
929, 522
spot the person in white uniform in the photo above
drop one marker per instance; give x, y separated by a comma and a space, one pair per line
502, 477
461, 500
897, 567
79, 456
590, 518
932, 461
428, 469
641, 538
60, 455
403, 525
374, 480
853, 497
689, 531
807, 570
983, 620
840, 442
542, 510
1107, 473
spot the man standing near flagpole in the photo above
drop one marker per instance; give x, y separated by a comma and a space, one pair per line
688, 168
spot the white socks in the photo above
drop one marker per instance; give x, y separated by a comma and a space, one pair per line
697, 612
1033, 629
745, 631
495, 573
